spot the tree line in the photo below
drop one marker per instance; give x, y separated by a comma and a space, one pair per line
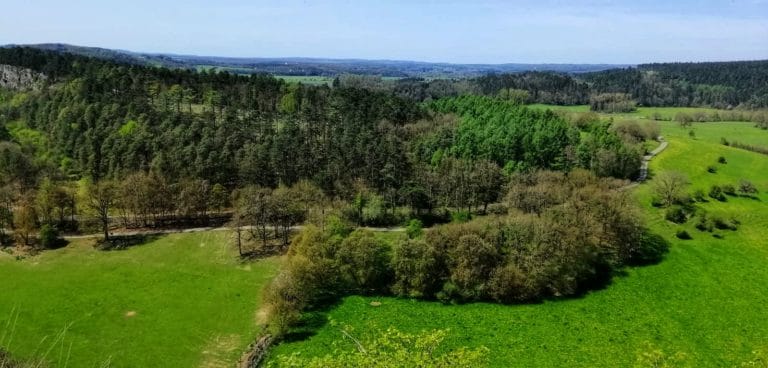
557, 235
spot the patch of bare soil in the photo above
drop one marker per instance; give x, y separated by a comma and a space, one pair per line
218, 350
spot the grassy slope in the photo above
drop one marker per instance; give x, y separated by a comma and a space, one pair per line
665, 113
195, 305
707, 299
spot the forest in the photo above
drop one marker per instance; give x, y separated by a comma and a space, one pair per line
199, 136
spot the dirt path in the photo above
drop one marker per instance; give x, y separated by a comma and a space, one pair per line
201, 229
644, 164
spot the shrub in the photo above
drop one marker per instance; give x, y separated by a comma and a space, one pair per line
722, 160
704, 223
612, 103
49, 237
498, 209
699, 195
338, 226
471, 264
718, 236
414, 229
651, 250
729, 189
682, 234
416, 274
363, 262
722, 224
747, 188
392, 348
510, 284
461, 216
716, 192
724, 142
711, 169
676, 214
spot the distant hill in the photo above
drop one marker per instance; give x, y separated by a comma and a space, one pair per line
318, 66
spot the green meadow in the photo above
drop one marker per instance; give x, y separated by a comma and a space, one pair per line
705, 302
182, 300
664, 113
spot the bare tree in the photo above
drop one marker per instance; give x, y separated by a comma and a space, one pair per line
670, 186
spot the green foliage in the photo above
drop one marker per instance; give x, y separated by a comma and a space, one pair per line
604, 152
364, 262
716, 192
747, 188
683, 235
651, 250
506, 132
49, 237
414, 264
676, 214
414, 229
128, 128
729, 189
612, 103
460, 216
722, 160
389, 349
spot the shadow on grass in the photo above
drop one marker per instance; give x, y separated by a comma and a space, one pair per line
311, 322
123, 242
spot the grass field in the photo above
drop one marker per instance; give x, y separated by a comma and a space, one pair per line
706, 299
182, 300
313, 80
666, 113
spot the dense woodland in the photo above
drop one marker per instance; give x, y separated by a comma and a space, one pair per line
159, 143
719, 85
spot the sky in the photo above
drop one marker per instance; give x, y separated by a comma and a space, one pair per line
479, 31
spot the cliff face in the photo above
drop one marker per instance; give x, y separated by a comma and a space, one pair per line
16, 78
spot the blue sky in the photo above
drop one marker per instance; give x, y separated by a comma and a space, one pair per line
481, 31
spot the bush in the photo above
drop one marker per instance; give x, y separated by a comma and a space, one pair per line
682, 234
747, 188
651, 250
716, 192
699, 195
498, 209
729, 189
416, 274
704, 223
461, 216
676, 214
49, 237
723, 224
612, 103
414, 229
363, 262
722, 160
718, 236
471, 264
711, 169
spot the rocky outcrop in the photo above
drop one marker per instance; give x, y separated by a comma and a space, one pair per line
16, 78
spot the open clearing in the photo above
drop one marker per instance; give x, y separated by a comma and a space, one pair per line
182, 300
706, 299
